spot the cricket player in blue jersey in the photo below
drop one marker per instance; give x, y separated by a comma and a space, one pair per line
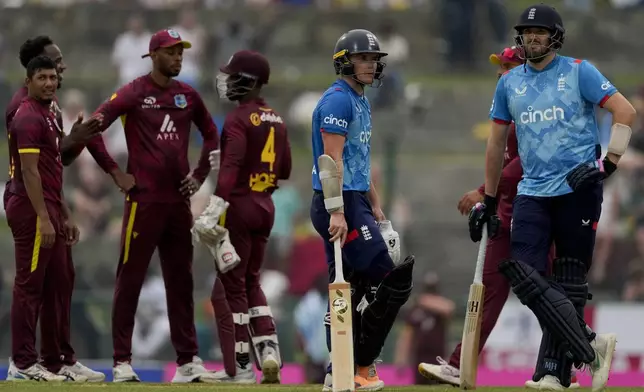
552, 101
341, 128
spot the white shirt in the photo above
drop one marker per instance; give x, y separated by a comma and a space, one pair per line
128, 49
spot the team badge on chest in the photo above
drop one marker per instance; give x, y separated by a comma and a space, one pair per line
180, 101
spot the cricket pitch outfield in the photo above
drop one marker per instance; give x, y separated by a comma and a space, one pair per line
27, 386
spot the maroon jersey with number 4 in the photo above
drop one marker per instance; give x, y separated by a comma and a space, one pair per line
33, 131
255, 151
157, 122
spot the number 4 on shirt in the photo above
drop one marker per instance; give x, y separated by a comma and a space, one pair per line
268, 153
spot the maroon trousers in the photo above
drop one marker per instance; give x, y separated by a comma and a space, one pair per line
43, 287
249, 221
146, 227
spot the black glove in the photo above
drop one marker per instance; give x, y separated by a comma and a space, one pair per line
484, 213
588, 174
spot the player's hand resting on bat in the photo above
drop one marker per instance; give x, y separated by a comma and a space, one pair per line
589, 174
481, 214
338, 227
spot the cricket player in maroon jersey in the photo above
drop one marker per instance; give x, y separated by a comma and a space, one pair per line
56, 349
497, 288
157, 112
35, 215
255, 155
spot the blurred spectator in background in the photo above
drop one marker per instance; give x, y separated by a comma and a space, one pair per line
191, 30
424, 335
128, 49
151, 326
634, 287
91, 200
230, 38
288, 204
311, 334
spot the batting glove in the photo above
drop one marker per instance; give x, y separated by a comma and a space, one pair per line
588, 174
392, 239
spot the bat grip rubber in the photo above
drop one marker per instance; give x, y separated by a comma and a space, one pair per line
480, 259
339, 274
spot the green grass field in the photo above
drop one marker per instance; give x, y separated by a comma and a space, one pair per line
144, 387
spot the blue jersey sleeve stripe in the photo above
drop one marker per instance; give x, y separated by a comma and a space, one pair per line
606, 97
334, 130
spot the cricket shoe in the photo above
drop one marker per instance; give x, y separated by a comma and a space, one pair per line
549, 383
443, 372
70, 375
193, 372
328, 383
270, 370
82, 370
244, 375
604, 347
123, 372
35, 372
367, 379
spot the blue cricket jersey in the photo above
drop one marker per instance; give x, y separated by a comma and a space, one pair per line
554, 113
343, 111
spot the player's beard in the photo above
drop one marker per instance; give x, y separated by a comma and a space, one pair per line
538, 53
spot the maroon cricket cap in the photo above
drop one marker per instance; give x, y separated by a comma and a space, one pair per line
512, 54
250, 64
165, 39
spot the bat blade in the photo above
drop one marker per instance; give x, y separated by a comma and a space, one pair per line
341, 337
471, 335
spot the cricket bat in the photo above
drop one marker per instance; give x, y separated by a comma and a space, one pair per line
341, 328
473, 317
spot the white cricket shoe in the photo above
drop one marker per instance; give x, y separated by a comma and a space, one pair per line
123, 372
244, 375
443, 372
35, 372
604, 346
193, 372
547, 383
270, 370
574, 384
82, 370
71, 375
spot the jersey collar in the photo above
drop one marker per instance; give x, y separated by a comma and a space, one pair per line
552, 64
343, 83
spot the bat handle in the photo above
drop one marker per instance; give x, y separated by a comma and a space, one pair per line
339, 274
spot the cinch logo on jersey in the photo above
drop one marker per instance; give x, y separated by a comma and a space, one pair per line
168, 131
331, 120
535, 116
365, 137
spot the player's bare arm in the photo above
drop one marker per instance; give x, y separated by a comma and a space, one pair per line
208, 130
374, 199
623, 117
33, 186
494, 157
232, 157
72, 234
334, 147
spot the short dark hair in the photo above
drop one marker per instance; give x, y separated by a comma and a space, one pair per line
38, 63
33, 47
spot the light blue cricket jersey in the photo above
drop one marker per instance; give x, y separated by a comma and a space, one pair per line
342, 111
554, 113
